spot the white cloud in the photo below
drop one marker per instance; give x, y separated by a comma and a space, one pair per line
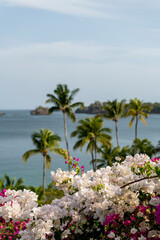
111, 9
85, 8
65, 51
101, 72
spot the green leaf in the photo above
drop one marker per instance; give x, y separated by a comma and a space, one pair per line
157, 170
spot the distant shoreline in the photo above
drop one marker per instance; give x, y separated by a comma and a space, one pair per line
97, 108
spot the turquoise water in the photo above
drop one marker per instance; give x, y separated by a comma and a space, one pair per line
17, 126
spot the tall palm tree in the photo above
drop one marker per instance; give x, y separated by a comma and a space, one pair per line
90, 131
114, 111
45, 141
62, 100
138, 111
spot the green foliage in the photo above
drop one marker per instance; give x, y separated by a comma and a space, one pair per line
45, 141
62, 100
10, 183
98, 107
51, 193
155, 107
98, 187
137, 109
90, 132
109, 155
114, 109
94, 108
157, 170
144, 146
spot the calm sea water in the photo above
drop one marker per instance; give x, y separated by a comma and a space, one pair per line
17, 126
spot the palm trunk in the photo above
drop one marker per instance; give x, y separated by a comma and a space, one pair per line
65, 132
116, 123
92, 161
135, 144
44, 175
95, 155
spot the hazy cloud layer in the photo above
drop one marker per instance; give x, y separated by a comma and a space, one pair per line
86, 8
112, 9
101, 72
81, 51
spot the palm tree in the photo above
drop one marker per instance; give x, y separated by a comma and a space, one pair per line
62, 100
10, 183
108, 155
138, 111
45, 141
144, 146
90, 131
125, 151
115, 110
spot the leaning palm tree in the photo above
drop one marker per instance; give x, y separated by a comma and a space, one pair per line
138, 111
45, 141
90, 131
114, 111
62, 100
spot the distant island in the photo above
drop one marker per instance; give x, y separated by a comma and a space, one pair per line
97, 107
1, 114
40, 111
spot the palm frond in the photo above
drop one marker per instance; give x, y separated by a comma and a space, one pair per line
73, 93
143, 120
48, 161
70, 114
77, 104
53, 99
74, 133
30, 153
131, 122
54, 109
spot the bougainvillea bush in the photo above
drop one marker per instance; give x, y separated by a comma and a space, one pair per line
15, 210
118, 202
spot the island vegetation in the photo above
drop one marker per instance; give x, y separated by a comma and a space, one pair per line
1, 113
40, 111
98, 107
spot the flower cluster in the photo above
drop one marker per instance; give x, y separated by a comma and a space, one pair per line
72, 162
99, 205
121, 202
15, 209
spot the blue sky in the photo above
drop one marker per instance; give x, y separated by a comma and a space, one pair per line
108, 48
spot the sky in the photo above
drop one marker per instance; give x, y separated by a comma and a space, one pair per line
109, 49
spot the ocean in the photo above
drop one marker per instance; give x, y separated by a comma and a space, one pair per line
16, 127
